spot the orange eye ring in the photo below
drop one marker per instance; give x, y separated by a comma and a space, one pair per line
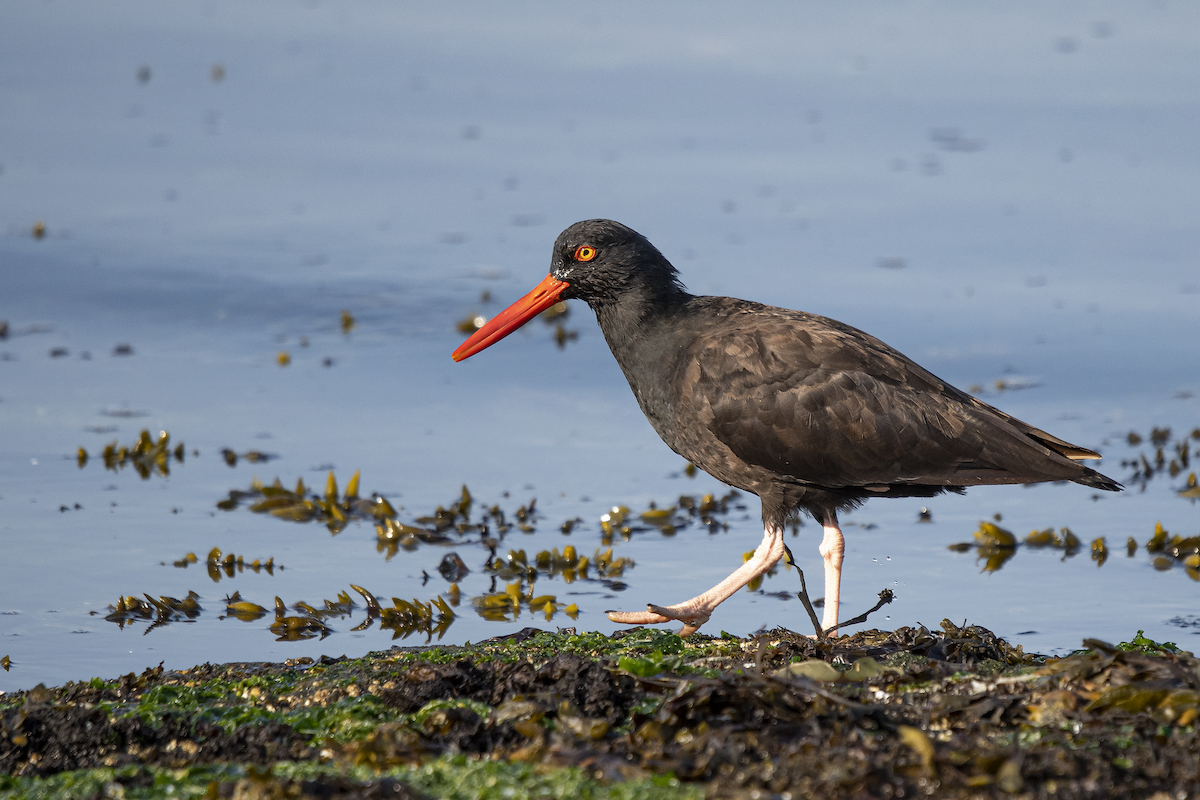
585, 253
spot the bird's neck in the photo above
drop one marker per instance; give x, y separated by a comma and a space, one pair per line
631, 321
643, 334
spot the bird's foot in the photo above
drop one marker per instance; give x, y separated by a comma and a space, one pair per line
692, 616
833, 635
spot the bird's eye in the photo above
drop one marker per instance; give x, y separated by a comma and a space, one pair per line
585, 253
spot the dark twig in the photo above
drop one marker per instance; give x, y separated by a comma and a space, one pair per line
803, 593
885, 597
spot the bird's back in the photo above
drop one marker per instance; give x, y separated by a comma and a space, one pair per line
760, 396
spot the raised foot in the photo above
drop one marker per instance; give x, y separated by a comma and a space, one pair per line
691, 616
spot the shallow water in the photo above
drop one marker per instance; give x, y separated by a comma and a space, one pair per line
999, 193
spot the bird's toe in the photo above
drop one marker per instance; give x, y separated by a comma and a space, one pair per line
691, 617
637, 617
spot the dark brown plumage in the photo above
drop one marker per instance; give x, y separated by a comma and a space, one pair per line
804, 411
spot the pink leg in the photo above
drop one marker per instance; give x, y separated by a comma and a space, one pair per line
695, 612
832, 548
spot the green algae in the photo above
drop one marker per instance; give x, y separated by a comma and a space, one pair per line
643, 714
451, 777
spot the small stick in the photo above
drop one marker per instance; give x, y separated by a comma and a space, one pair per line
885, 597
803, 593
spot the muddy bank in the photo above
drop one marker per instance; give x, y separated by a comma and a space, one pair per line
953, 712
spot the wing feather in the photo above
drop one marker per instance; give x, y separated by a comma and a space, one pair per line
824, 403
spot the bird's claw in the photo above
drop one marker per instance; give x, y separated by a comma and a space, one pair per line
691, 617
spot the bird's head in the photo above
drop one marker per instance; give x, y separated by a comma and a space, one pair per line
598, 261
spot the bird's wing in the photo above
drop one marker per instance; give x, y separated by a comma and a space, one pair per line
825, 403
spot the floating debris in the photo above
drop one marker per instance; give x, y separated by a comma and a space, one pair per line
756, 584
1168, 550
548, 564
1064, 540
470, 323
295, 629
162, 611
229, 564
348, 321
562, 336
1170, 457
687, 510
996, 545
506, 606
405, 618
1191, 490
244, 610
301, 620
146, 455
253, 456
990, 535
301, 505
555, 316
558, 312
446, 525
452, 568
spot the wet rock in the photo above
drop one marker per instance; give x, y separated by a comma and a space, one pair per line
43, 740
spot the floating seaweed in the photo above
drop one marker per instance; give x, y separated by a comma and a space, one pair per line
405, 617
244, 610
229, 564
756, 584
550, 563
299, 628
146, 455
453, 568
301, 505
335, 510
1170, 457
1063, 540
996, 546
506, 606
520, 572
162, 610
253, 456
470, 323
392, 535
299, 621
1191, 489
1168, 550
706, 510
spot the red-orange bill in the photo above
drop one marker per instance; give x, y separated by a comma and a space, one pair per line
544, 295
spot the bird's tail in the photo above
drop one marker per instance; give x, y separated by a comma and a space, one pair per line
1097, 481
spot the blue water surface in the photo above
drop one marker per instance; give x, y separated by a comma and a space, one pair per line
1004, 193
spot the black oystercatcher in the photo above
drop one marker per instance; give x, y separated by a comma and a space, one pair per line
803, 411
